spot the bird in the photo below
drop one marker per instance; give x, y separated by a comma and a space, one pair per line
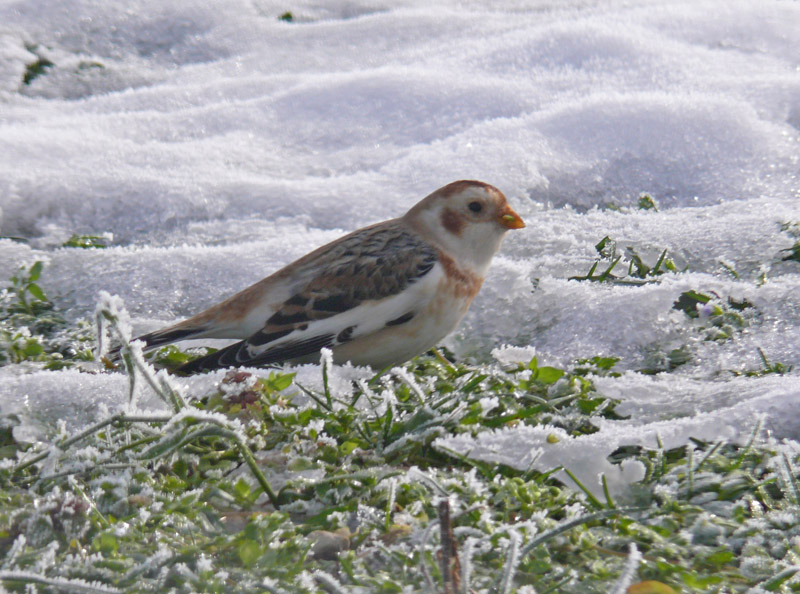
376, 297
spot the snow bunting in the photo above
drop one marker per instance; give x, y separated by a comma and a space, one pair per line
378, 296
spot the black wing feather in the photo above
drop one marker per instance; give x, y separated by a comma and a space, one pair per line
238, 354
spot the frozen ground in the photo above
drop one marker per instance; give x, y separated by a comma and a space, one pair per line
218, 143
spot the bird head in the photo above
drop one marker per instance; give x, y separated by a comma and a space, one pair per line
468, 219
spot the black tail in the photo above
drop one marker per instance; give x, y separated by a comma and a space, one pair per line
229, 356
238, 354
210, 362
157, 338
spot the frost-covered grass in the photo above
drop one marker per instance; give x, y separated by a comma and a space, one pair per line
264, 483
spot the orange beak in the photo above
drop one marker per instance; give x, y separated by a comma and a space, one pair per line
509, 219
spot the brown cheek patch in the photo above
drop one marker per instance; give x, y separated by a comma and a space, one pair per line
452, 222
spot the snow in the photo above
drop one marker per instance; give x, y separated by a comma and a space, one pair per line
218, 143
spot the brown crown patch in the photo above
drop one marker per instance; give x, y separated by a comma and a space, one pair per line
461, 185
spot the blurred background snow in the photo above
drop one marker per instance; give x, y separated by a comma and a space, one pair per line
218, 143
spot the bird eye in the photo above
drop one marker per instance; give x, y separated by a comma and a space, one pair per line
475, 206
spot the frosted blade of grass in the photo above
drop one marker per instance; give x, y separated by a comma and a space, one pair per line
322, 403
595, 502
178, 439
422, 546
441, 358
466, 565
791, 489
659, 263
749, 445
88, 500
329, 582
154, 561
404, 376
111, 308
416, 473
325, 363
771, 584
629, 571
414, 437
158, 382
391, 485
271, 588
355, 477
513, 558
609, 500
14, 550
60, 584
708, 455
564, 526
110, 314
